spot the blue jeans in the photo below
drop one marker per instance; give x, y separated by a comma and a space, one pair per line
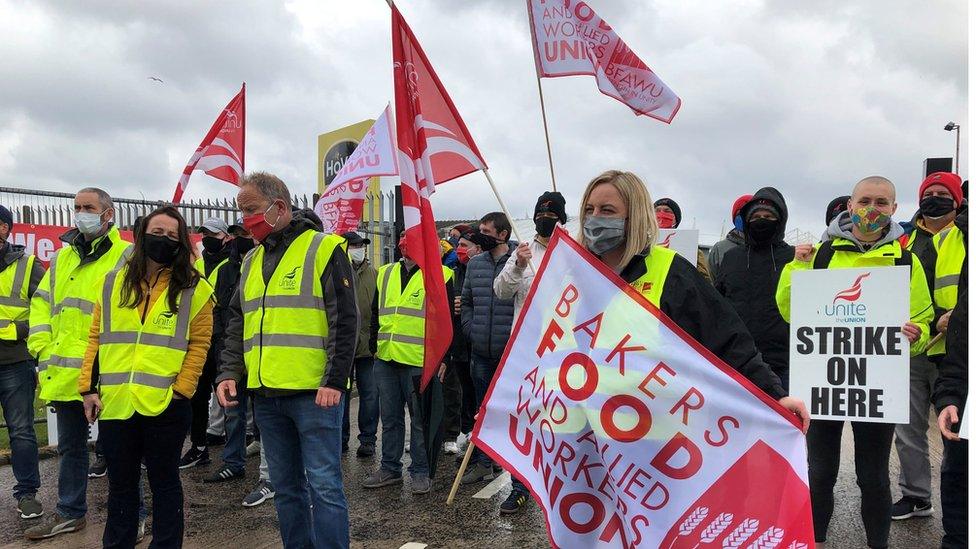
369, 404
302, 441
396, 391
235, 426
17, 385
73, 449
482, 371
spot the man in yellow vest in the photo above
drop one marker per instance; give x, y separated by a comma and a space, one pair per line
291, 334
60, 317
20, 274
397, 336
216, 254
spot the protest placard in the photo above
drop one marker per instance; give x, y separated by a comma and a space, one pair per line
683, 241
848, 357
630, 433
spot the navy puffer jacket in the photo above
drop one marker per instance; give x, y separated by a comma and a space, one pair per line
486, 320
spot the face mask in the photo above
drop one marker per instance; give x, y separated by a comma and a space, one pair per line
402, 246
936, 206
545, 225
763, 230
258, 225
870, 220
462, 253
603, 234
357, 255
244, 244
160, 249
665, 220
212, 244
454, 241
739, 223
88, 223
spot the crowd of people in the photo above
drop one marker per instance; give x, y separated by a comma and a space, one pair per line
257, 341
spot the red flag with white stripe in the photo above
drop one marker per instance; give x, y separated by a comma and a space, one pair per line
221, 153
434, 147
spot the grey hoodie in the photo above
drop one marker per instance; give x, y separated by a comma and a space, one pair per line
841, 227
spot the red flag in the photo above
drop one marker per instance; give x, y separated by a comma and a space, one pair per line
221, 153
434, 147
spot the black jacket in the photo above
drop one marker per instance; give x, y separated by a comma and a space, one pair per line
340, 304
748, 276
952, 384
225, 286
694, 305
16, 351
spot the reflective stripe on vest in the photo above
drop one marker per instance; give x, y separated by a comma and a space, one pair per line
402, 315
950, 247
201, 267
285, 324
71, 293
139, 359
14, 305
651, 283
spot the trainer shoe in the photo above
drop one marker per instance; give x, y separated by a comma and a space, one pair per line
908, 507
29, 507
380, 478
516, 500
53, 525
451, 447
477, 473
420, 485
365, 451
262, 493
194, 457
224, 474
98, 467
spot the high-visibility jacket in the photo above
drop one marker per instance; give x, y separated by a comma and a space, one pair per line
202, 269
651, 283
285, 324
61, 313
138, 361
950, 249
847, 256
401, 315
14, 304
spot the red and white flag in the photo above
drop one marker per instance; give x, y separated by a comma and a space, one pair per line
434, 147
628, 432
221, 153
341, 206
570, 39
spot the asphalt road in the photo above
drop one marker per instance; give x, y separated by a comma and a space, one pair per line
391, 517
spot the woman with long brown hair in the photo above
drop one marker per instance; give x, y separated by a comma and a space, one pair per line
147, 344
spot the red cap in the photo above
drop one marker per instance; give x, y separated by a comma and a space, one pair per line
739, 203
948, 180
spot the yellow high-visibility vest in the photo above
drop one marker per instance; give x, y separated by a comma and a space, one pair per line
138, 361
950, 248
285, 324
401, 315
61, 314
14, 305
651, 283
202, 269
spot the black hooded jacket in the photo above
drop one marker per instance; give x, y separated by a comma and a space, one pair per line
952, 385
748, 276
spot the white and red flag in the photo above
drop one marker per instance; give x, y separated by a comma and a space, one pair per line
434, 147
341, 205
631, 434
221, 153
570, 39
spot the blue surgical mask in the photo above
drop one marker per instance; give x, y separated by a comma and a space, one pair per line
603, 234
88, 223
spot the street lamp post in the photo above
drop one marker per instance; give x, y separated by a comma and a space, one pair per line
949, 127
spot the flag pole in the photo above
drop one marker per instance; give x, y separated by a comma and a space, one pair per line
460, 473
498, 197
545, 127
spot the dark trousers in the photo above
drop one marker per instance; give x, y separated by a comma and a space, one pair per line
454, 402
17, 387
469, 406
955, 498
158, 440
368, 416
201, 404
872, 450
482, 371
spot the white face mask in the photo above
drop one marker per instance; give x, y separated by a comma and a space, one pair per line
88, 223
357, 255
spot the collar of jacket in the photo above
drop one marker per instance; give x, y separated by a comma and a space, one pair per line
91, 251
636, 267
296, 227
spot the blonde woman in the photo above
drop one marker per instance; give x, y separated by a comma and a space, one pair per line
619, 227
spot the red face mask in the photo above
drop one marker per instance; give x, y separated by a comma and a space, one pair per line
665, 220
258, 225
462, 254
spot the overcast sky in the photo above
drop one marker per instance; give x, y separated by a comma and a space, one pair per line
805, 96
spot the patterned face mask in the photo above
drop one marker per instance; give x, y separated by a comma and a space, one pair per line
870, 220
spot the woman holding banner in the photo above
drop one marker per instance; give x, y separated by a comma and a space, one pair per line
618, 225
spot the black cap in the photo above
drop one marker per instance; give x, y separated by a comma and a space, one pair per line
7, 217
354, 239
836, 206
551, 202
674, 208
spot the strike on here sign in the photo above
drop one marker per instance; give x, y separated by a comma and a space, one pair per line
848, 357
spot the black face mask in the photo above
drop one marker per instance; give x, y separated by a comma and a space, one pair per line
212, 244
244, 244
763, 230
160, 249
545, 225
935, 206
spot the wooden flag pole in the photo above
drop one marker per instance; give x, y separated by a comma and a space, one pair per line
545, 127
460, 473
932, 342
